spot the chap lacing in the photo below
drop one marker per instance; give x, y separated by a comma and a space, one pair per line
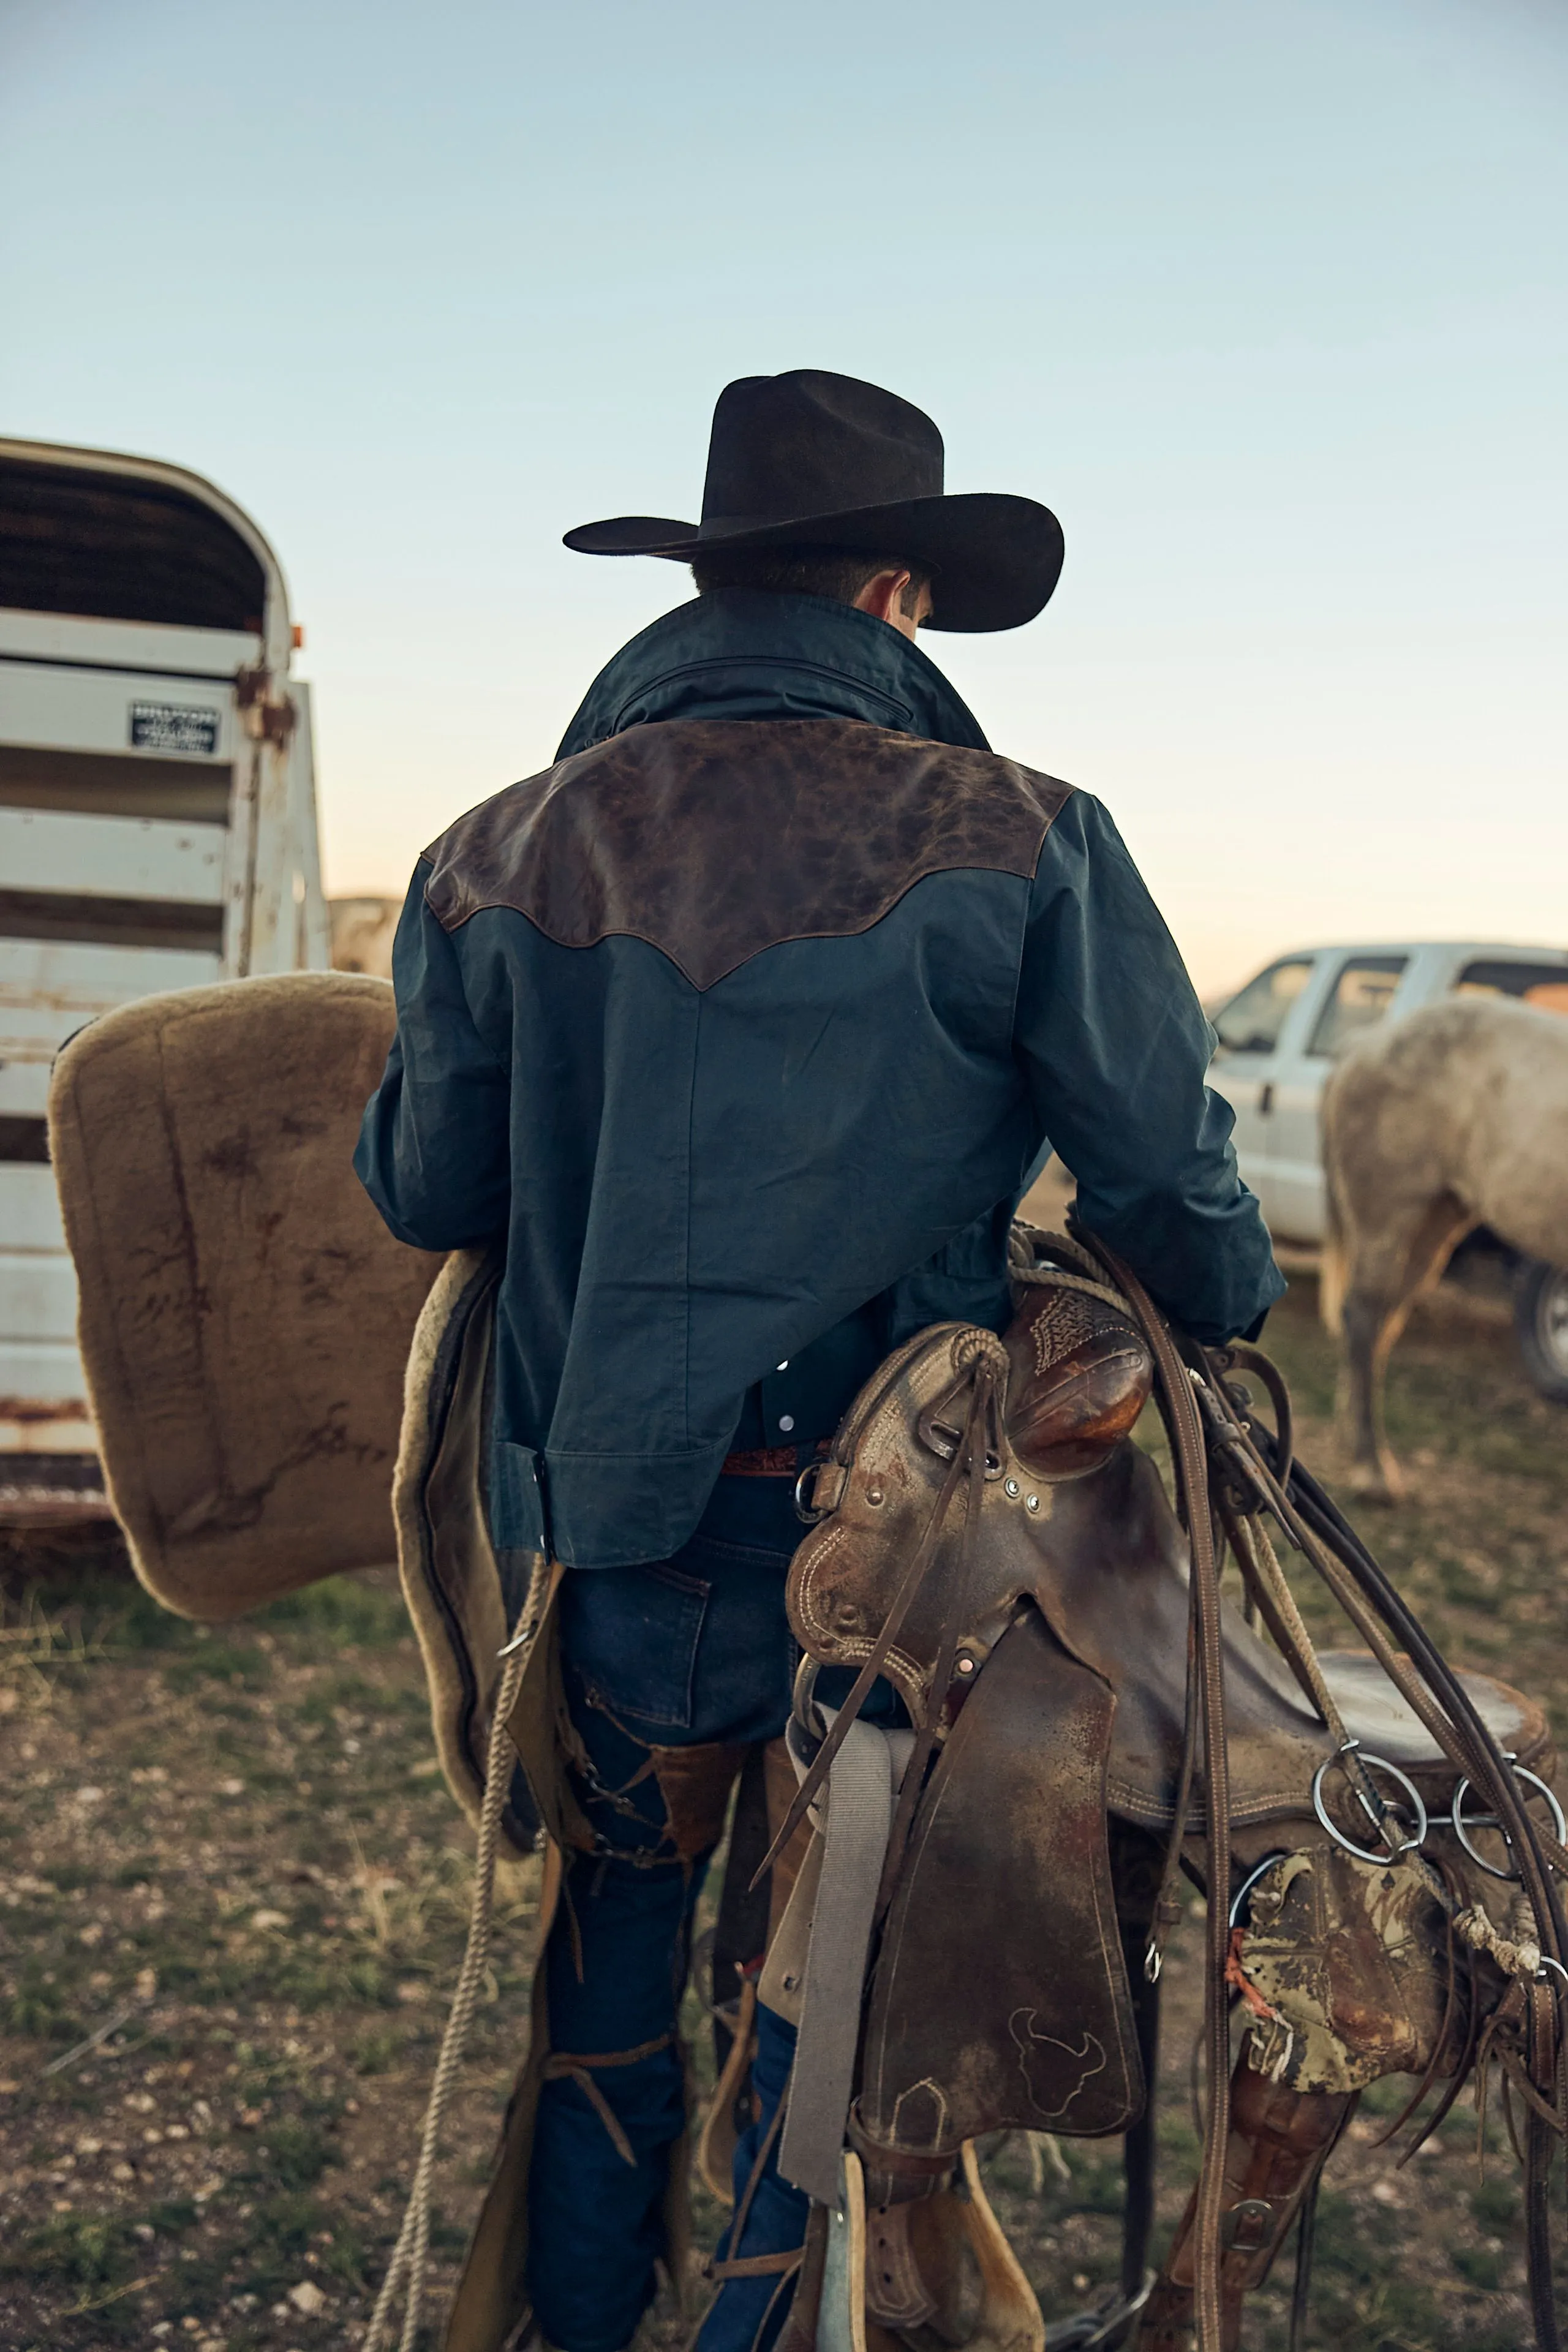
564, 2066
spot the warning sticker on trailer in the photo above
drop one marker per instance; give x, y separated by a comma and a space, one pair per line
174, 726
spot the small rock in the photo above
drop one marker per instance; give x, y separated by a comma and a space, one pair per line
308, 2297
89, 1797
231, 1788
413, 1991
269, 1918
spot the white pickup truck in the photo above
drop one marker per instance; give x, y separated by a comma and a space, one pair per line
157, 830
1279, 1037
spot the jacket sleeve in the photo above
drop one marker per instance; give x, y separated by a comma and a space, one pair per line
433, 1150
1115, 1046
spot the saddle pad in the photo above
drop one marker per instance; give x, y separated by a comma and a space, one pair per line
1000, 1998
245, 1315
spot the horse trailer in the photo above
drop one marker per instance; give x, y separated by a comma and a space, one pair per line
157, 831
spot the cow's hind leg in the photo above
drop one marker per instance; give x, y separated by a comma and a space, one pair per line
1278, 2139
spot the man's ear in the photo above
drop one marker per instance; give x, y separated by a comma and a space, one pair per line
881, 595
883, 598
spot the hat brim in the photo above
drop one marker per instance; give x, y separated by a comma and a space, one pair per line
996, 557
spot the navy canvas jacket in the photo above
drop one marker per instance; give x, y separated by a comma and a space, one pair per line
743, 1028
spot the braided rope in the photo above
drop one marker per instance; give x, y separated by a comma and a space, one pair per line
1025, 1240
407, 2271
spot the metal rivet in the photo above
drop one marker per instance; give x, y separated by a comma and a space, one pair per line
1010, 1488
1031, 1502
967, 1665
786, 1421
783, 1366
873, 1494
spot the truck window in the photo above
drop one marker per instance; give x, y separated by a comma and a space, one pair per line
1544, 985
1251, 1022
1362, 994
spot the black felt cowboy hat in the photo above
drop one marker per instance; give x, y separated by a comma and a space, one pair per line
810, 459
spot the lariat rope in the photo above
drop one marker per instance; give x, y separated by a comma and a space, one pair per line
410, 2260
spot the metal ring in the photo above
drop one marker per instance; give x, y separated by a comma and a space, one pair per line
1362, 1852
1510, 1877
1548, 1962
1251, 1880
803, 1706
807, 1513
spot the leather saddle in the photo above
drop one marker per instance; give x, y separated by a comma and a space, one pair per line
1000, 1993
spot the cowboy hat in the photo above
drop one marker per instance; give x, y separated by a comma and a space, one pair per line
811, 460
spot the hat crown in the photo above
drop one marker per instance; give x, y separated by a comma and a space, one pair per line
813, 442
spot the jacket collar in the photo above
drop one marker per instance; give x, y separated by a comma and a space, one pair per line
744, 653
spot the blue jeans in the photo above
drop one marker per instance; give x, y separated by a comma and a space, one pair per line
688, 1651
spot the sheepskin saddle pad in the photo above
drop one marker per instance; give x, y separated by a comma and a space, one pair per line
246, 1318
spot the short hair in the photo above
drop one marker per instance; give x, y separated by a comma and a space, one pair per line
838, 573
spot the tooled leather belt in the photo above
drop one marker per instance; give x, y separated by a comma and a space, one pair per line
762, 1462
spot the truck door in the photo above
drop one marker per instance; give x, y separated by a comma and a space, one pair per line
1245, 1067
1360, 994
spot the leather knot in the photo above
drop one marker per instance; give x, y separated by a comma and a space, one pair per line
977, 1345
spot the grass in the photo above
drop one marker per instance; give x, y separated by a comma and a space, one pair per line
227, 1847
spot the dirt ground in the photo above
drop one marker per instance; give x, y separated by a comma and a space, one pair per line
232, 1898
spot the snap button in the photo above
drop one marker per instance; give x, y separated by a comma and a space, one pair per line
786, 1421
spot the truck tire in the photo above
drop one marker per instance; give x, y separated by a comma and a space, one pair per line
1541, 1322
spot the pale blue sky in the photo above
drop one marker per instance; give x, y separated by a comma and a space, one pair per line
1266, 300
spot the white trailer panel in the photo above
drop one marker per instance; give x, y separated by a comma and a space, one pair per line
150, 645
112, 857
144, 716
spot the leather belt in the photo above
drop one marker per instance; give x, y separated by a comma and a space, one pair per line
761, 1462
